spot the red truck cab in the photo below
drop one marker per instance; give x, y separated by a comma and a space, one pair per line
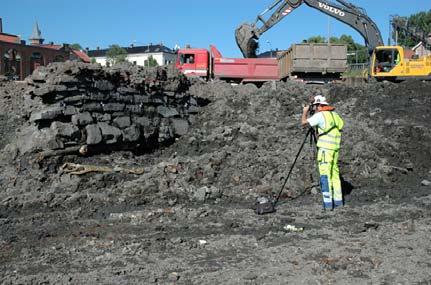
211, 64
193, 62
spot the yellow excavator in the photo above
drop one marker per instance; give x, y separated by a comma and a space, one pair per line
386, 62
394, 63
397, 64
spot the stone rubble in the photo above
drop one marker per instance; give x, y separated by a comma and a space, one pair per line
85, 104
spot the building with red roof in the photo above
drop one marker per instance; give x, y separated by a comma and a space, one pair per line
18, 59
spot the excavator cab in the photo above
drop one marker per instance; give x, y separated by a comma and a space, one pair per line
386, 59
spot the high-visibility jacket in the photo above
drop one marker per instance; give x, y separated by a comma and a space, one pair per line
330, 136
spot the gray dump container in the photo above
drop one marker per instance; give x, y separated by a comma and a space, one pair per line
313, 58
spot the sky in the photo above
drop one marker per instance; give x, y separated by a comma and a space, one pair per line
199, 23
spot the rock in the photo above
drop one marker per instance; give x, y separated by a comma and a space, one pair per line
201, 194
102, 117
65, 79
110, 134
122, 122
103, 85
69, 111
314, 190
39, 75
131, 134
47, 114
425, 183
92, 107
204, 193
134, 109
126, 90
82, 119
173, 276
181, 126
122, 98
46, 90
142, 121
99, 97
32, 139
65, 130
113, 107
141, 99
94, 135
75, 99
167, 112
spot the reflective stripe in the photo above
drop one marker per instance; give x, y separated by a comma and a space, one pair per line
328, 141
195, 71
333, 136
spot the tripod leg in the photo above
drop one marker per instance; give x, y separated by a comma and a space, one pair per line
291, 168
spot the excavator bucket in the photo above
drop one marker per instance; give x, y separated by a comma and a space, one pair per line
246, 40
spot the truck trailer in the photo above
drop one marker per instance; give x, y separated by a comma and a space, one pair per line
313, 61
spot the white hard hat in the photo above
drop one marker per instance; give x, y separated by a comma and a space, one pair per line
319, 99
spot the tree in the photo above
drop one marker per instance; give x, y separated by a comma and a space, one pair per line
76, 46
420, 22
116, 54
150, 62
357, 53
315, 40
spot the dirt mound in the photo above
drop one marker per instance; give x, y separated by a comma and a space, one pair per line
186, 216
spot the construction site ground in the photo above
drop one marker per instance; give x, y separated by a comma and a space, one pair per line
188, 218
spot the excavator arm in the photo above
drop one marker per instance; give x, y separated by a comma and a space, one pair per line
247, 35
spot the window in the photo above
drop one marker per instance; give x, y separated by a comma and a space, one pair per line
36, 60
58, 58
12, 64
386, 60
187, 59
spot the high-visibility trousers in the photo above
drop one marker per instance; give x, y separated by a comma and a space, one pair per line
330, 183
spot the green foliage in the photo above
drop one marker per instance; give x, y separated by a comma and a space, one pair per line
357, 53
315, 40
76, 46
150, 62
422, 21
116, 54
93, 60
362, 73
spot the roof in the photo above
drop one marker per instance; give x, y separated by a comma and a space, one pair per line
78, 53
9, 38
52, 46
36, 35
134, 50
82, 55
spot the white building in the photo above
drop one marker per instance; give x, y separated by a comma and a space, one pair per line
139, 54
421, 50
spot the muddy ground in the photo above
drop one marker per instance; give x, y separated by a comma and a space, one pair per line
188, 218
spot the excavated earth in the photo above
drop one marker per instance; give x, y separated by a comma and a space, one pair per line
206, 152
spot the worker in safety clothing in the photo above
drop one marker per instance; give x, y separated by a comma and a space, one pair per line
329, 125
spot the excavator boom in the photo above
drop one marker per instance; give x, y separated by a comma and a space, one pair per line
247, 35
